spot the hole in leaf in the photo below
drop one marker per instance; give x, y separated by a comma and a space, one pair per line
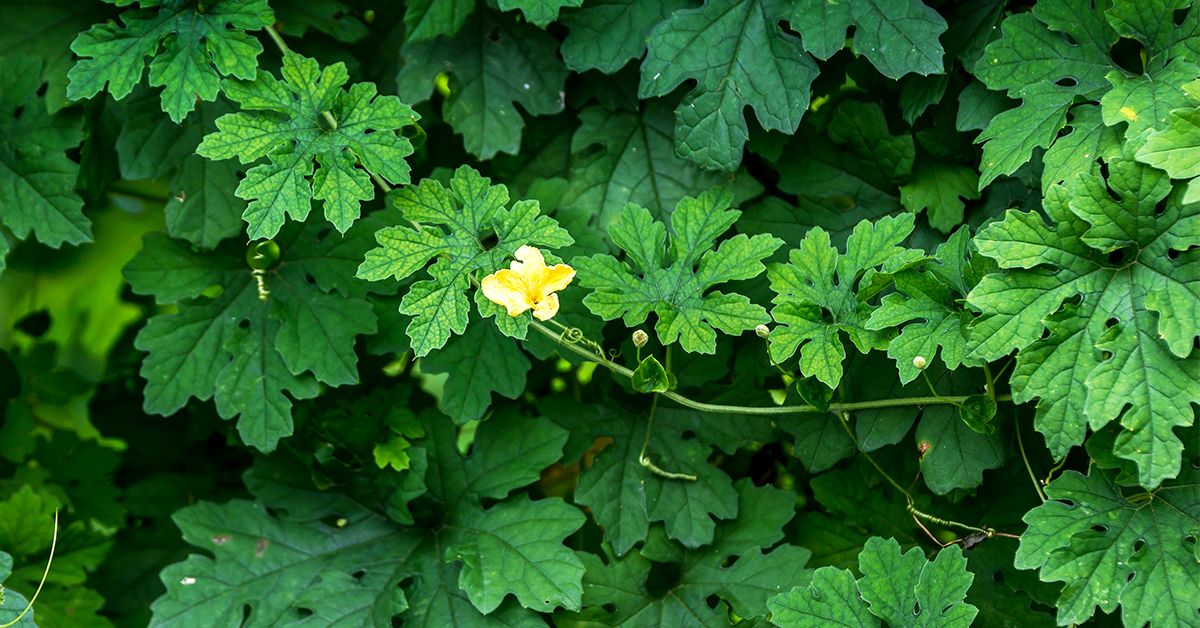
1138, 545
312, 281
358, 575
1179, 16
728, 561
1099, 528
1117, 257
712, 600
1172, 254
1111, 322
35, 324
1127, 54
687, 435
494, 34
609, 608
1070, 40
304, 612
18, 112
1067, 81
489, 241
662, 578
244, 323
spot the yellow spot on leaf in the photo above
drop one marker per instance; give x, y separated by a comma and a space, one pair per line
528, 284
1129, 113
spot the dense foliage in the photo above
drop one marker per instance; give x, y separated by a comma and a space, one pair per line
864, 313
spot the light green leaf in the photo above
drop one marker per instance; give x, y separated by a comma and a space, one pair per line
818, 279
192, 48
285, 122
1175, 147
908, 590
669, 283
451, 224
831, 599
1121, 312
605, 35
1076, 151
37, 179
488, 77
902, 589
897, 36
739, 57
12, 603
929, 295
1110, 548
1011, 137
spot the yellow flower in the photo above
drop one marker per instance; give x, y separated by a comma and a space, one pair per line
528, 284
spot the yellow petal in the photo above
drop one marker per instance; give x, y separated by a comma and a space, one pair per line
506, 287
531, 256
546, 308
556, 278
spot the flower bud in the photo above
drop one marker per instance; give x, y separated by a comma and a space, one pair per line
640, 338
762, 330
920, 362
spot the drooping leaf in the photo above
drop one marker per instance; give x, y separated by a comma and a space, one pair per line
201, 207
450, 227
322, 142
494, 63
192, 47
1120, 308
746, 60
676, 283
1175, 148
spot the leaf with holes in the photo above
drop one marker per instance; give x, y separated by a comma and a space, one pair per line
1105, 280
1138, 551
739, 57
898, 36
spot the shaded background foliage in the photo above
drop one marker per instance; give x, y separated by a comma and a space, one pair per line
332, 428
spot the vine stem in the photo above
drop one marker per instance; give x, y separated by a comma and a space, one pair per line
755, 410
284, 49
29, 606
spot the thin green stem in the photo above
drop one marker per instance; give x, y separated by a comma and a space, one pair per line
278, 39
645, 460
1028, 467
284, 49
29, 606
849, 432
761, 411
